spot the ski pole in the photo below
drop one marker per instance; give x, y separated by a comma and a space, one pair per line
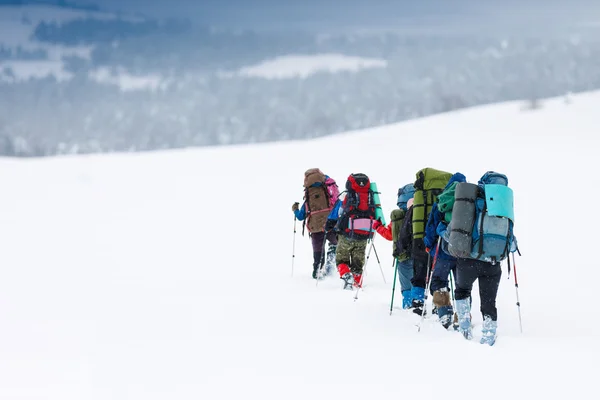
428, 283
379, 262
362, 276
452, 290
516, 288
320, 272
294, 246
395, 265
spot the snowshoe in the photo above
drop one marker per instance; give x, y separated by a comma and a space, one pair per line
418, 307
348, 281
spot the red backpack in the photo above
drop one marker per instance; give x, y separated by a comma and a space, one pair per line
358, 208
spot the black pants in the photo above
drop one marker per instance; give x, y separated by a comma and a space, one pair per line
419, 272
467, 271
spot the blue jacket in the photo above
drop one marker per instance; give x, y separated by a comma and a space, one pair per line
436, 226
301, 212
334, 214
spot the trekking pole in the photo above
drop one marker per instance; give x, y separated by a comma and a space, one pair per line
453, 299
320, 272
516, 288
362, 276
379, 262
428, 283
294, 246
452, 288
394, 264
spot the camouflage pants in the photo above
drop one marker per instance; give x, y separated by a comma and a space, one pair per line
352, 253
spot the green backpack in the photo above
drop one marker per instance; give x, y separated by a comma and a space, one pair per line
428, 186
397, 217
446, 201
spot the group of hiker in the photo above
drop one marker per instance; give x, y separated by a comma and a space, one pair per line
445, 232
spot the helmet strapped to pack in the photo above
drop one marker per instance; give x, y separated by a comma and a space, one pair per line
358, 208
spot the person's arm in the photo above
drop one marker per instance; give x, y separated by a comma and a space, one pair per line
301, 212
384, 231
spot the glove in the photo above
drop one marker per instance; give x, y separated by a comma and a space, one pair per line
330, 225
376, 224
295, 206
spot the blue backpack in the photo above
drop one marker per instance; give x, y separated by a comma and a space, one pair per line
405, 193
494, 219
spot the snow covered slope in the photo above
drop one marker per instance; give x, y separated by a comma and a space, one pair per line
164, 276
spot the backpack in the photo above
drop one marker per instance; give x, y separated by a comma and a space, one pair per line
446, 201
429, 184
403, 243
358, 208
405, 193
397, 217
494, 218
320, 194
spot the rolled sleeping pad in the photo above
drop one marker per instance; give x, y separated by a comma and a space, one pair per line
463, 220
378, 210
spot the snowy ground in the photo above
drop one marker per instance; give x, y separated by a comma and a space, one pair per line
165, 276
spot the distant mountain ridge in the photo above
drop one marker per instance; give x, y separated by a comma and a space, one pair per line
57, 3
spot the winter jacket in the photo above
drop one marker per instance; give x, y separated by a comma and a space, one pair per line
437, 223
385, 231
301, 212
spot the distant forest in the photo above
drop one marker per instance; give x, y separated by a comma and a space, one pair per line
199, 102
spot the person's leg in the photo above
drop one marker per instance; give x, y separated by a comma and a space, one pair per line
466, 274
405, 272
418, 284
358, 260
489, 281
342, 256
317, 245
440, 290
331, 250
439, 275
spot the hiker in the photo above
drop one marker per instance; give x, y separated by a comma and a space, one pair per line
320, 195
441, 213
398, 231
481, 236
429, 184
353, 220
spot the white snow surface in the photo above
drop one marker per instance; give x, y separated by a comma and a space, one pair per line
302, 66
165, 275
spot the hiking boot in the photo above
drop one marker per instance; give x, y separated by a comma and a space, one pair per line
417, 307
418, 296
463, 309
357, 280
443, 307
343, 269
406, 299
348, 281
488, 330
